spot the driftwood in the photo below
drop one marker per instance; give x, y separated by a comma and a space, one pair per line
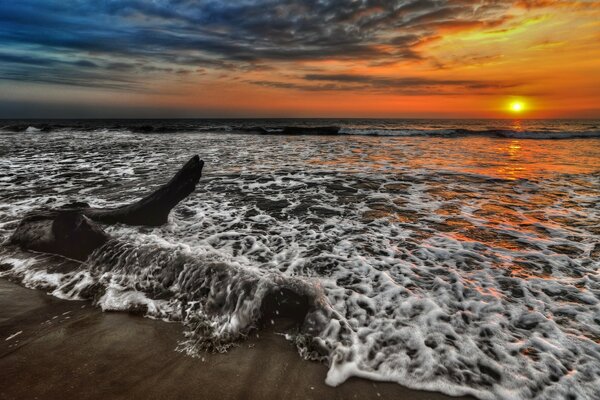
72, 232
63, 232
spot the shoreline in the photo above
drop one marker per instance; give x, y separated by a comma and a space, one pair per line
69, 349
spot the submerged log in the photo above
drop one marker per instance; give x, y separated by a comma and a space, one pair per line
282, 302
72, 232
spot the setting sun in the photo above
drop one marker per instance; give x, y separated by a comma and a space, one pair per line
517, 106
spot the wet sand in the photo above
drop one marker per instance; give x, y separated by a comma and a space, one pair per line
69, 350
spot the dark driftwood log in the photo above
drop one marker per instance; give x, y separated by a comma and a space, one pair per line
154, 209
72, 233
66, 233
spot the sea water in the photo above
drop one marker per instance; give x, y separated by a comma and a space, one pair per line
457, 256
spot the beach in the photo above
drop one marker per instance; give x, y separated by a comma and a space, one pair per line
70, 350
461, 261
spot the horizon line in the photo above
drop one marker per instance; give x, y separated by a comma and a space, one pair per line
300, 118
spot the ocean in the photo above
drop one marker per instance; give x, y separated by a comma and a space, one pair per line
461, 256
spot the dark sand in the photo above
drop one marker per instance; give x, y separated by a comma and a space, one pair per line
69, 350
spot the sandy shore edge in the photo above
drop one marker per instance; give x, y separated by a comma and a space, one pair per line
56, 349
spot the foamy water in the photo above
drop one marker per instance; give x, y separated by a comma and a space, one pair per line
464, 264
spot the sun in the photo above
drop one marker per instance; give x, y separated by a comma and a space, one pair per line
517, 106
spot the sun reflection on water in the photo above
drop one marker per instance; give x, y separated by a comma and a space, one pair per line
503, 158
514, 167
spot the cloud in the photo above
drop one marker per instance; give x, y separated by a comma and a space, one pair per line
405, 86
16, 58
124, 40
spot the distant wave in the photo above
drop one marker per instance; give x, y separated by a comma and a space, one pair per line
551, 135
292, 130
166, 128
27, 128
467, 132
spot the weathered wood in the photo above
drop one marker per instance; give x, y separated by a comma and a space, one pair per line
154, 209
66, 233
72, 232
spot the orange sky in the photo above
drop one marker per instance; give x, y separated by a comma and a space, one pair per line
548, 57
545, 54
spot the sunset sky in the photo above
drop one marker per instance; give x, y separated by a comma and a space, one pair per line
294, 58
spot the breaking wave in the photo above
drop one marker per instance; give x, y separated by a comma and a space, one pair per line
394, 128
219, 302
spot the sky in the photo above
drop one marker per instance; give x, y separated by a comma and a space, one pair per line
299, 58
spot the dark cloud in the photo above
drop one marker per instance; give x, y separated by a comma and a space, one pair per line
306, 87
126, 39
404, 82
405, 86
72, 78
40, 61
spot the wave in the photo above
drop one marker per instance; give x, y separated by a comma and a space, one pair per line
218, 302
32, 129
551, 135
434, 314
291, 130
468, 132
27, 128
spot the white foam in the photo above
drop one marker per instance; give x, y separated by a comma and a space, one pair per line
14, 335
117, 298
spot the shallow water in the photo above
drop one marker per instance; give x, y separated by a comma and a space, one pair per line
463, 264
